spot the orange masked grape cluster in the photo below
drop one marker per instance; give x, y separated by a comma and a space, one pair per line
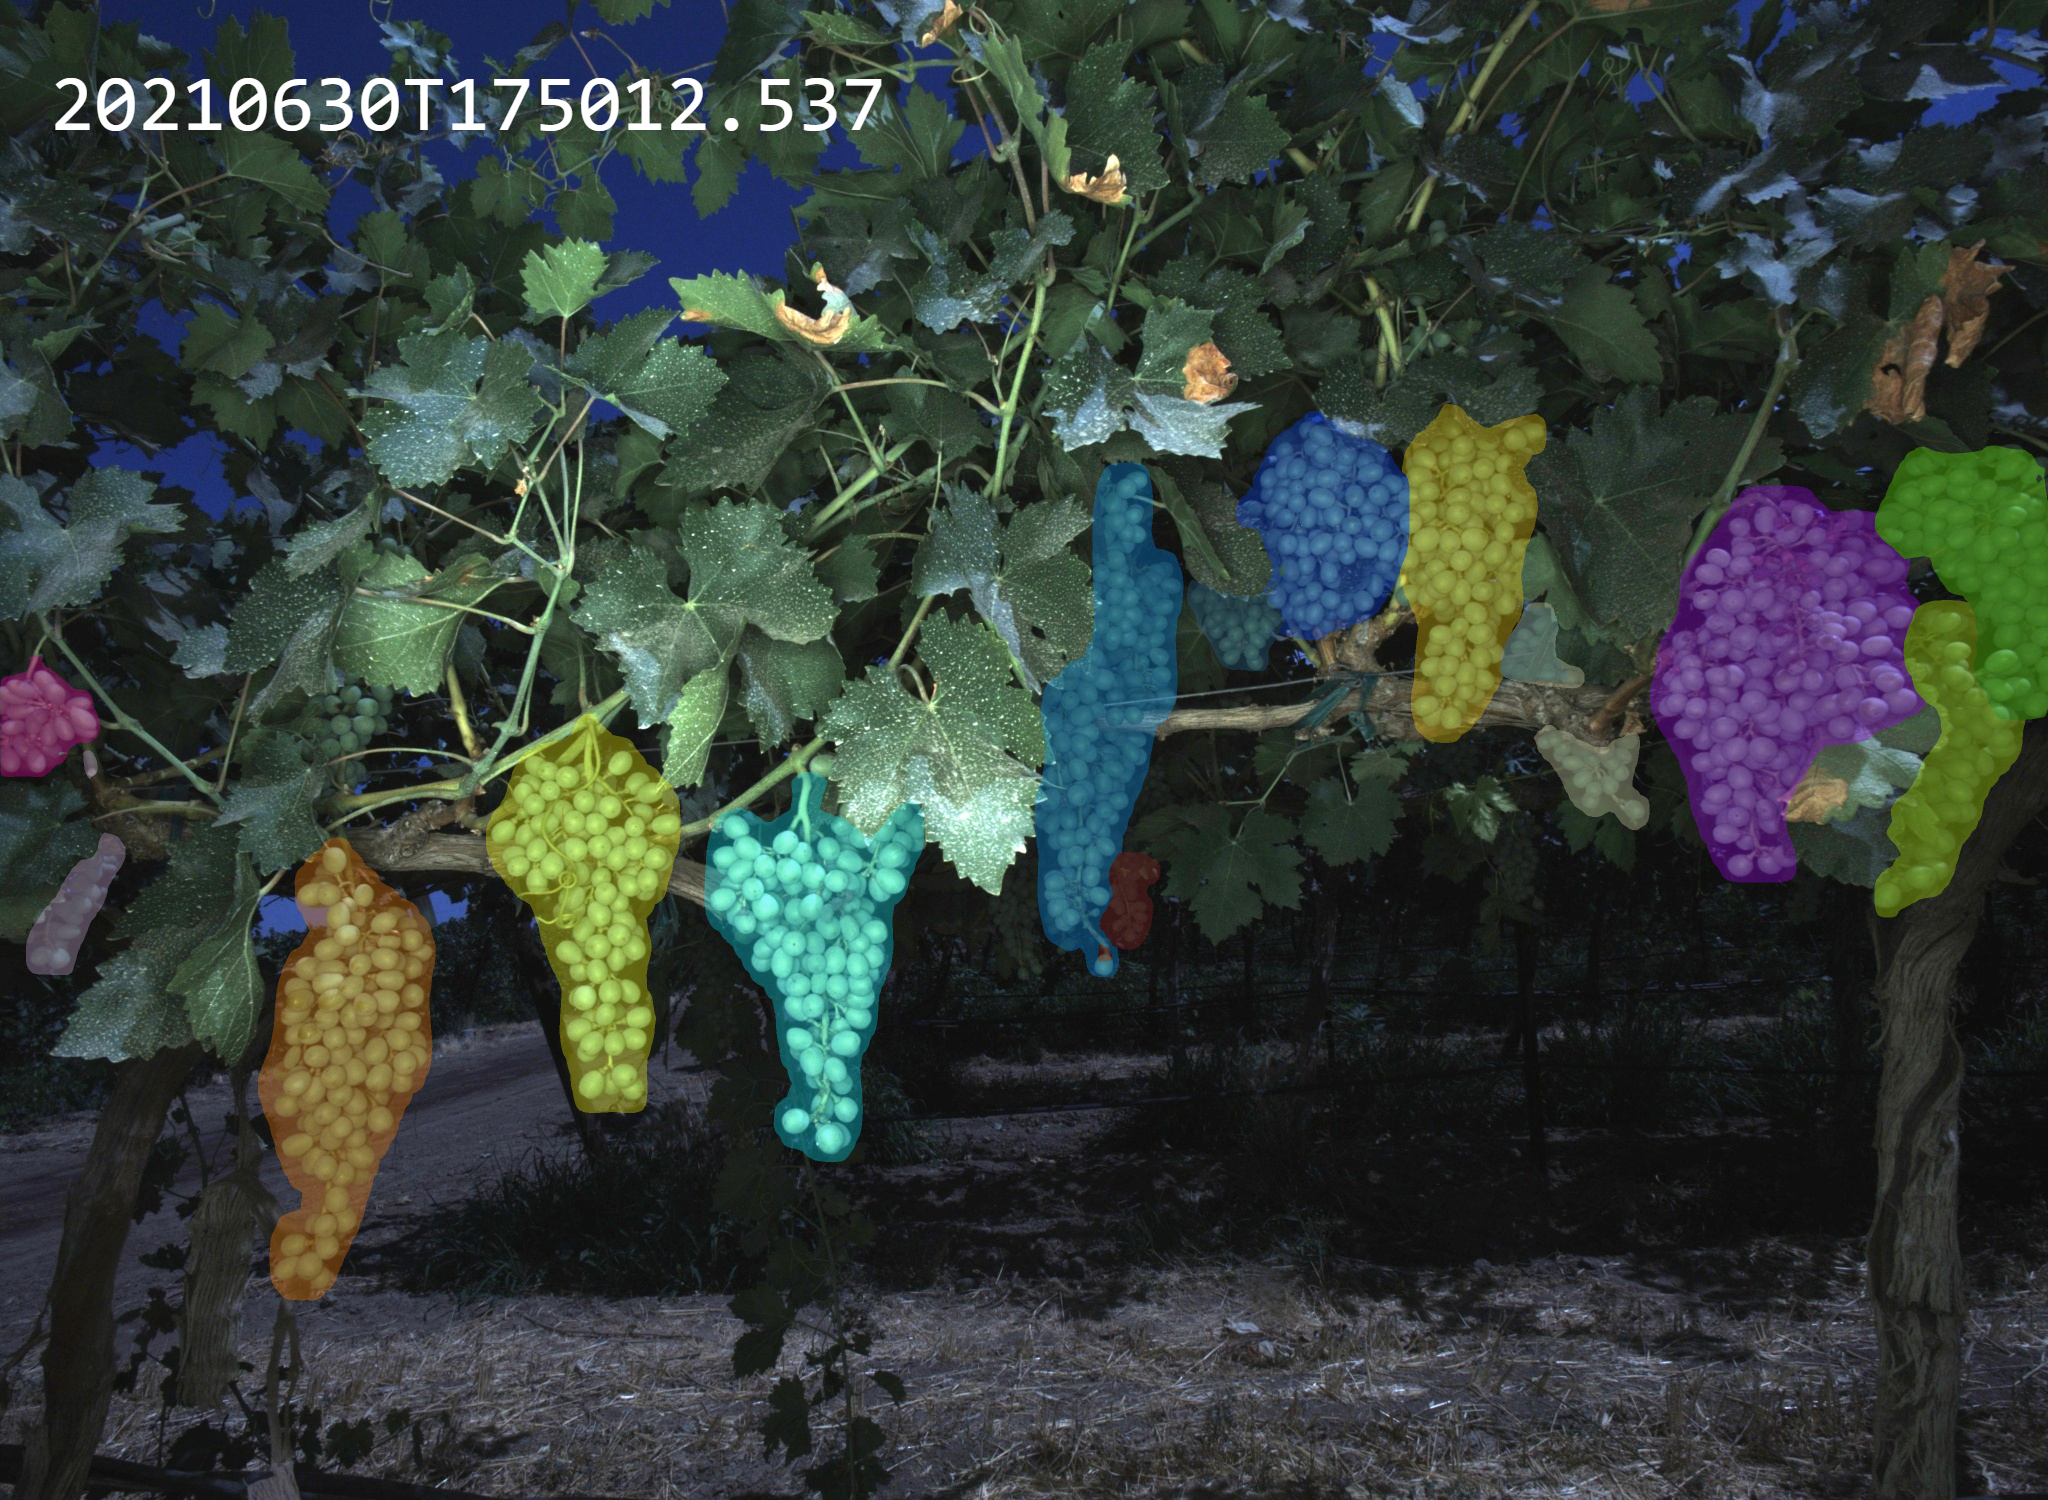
350, 1048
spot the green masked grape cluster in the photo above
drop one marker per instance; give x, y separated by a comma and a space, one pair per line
1982, 519
1940, 810
806, 902
587, 835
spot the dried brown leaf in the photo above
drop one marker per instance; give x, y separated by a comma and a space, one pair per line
1966, 300
942, 23
827, 329
1898, 386
1817, 795
1108, 188
1208, 374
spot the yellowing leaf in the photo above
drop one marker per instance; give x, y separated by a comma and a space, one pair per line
1817, 795
1966, 300
942, 23
1898, 386
1107, 188
1208, 374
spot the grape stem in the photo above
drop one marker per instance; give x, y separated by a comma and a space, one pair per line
1788, 361
798, 759
121, 718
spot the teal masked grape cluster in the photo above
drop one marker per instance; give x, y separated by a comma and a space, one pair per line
1240, 630
806, 902
1100, 714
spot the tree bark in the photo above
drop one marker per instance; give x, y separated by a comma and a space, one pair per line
78, 1361
1914, 1253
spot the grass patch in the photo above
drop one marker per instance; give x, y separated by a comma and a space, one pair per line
634, 1222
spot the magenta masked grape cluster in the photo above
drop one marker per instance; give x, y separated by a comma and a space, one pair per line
54, 941
1789, 637
41, 717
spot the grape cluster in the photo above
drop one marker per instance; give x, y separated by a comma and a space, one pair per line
41, 717
351, 1047
1127, 921
345, 721
1786, 640
1472, 514
1940, 810
1099, 716
1333, 511
1982, 518
807, 903
1599, 779
1240, 628
587, 835
53, 942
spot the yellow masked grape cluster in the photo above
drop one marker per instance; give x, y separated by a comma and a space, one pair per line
587, 835
1471, 513
350, 1048
1940, 810
1599, 779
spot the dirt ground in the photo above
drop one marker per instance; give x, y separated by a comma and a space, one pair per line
1048, 1352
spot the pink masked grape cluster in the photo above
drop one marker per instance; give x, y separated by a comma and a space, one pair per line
54, 941
1789, 637
41, 717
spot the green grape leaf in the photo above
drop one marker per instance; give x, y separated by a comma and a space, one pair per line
671, 390
1530, 654
128, 1011
766, 405
1478, 807
1109, 114
968, 756
1239, 139
219, 981
692, 725
1601, 324
1228, 876
1171, 329
1872, 775
1611, 840
1543, 578
311, 548
220, 342
1174, 424
285, 619
1005, 59
1028, 584
1345, 832
852, 570
454, 403
387, 638
270, 162
561, 280
45, 564
1227, 557
41, 838
836, 29
730, 301
661, 641
1619, 501
271, 806
784, 681
1855, 851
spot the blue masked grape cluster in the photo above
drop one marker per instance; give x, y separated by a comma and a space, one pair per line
1333, 510
1240, 629
1100, 714
806, 902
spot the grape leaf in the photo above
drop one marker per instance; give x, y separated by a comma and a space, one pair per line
1239, 138
692, 725
128, 1011
1619, 501
386, 639
1601, 324
1345, 832
220, 342
285, 619
1029, 586
1227, 557
783, 681
967, 757
219, 982
272, 805
1109, 114
1855, 851
264, 159
455, 402
661, 641
1477, 807
1613, 841
45, 564
41, 838
313, 547
1227, 876
766, 405
1530, 654
561, 280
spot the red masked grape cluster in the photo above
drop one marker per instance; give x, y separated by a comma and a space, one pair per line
1099, 717
1788, 638
1982, 519
807, 903
1333, 510
1127, 921
41, 717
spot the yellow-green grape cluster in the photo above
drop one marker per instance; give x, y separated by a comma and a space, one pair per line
1940, 810
1471, 514
587, 835
1599, 779
1982, 519
350, 1048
